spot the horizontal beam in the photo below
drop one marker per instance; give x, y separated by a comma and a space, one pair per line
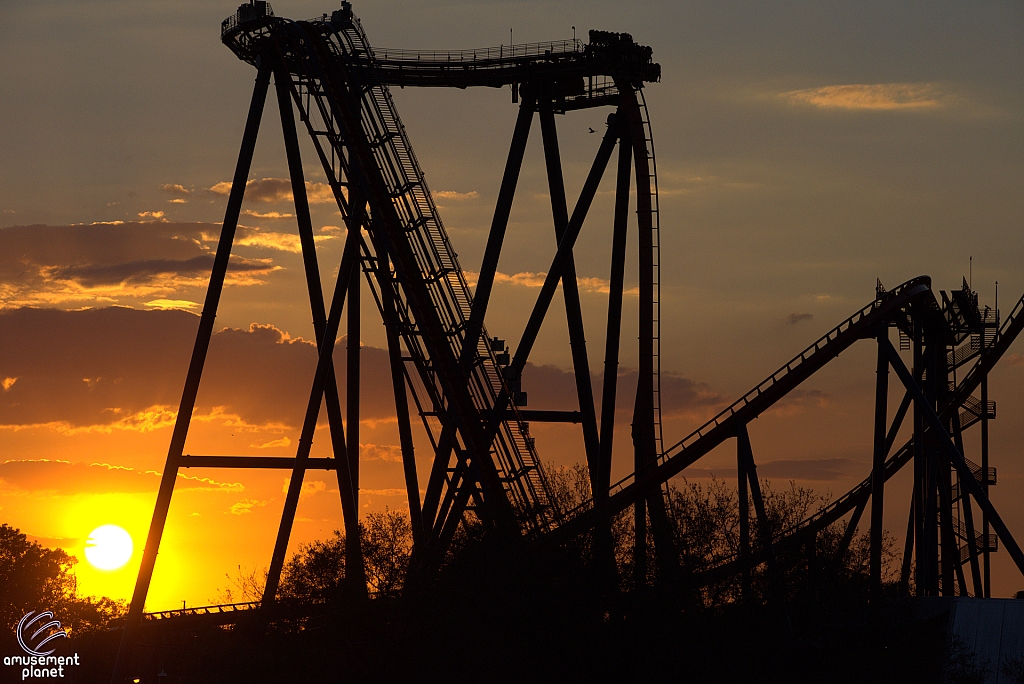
280, 462
533, 416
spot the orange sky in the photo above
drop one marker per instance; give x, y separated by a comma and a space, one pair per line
803, 151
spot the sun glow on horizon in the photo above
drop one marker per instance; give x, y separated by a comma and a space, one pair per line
109, 547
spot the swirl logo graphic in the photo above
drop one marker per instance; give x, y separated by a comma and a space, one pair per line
26, 624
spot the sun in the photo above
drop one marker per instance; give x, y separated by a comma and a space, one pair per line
109, 547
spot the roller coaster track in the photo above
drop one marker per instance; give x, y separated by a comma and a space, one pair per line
755, 402
858, 496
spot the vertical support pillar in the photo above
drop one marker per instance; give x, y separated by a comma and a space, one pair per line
353, 543
614, 331
195, 371
401, 399
349, 262
644, 442
921, 555
746, 452
968, 513
986, 554
878, 463
353, 337
908, 548
347, 489
744, 511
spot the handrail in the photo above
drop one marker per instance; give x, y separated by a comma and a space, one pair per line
484, 54
201, 610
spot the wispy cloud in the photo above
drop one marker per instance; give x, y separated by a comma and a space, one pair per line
277, 190
869, 96
182, 304
457, 196
794, 318
175, 189
245, 506
284, 242
65, 477
283, 442
268, 214
536, 280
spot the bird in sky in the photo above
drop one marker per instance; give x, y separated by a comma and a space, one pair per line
591, 129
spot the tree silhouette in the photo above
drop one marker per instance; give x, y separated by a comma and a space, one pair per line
34, 578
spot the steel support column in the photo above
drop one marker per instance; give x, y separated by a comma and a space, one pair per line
743, 496
614, 331
968, 513
195, 370
347, 484
349, 263
746, 452
878, 463
401, 402
986, 557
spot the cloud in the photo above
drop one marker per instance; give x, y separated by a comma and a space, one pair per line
800, 400
794, 318
175, 189
309, 487
183, 304
271, 190
551, 388
151, 214
67, 478
284, 242
457, 196
380, 452
283, 442
536, 280
8, 383
114, 262
816, 470
115, 349
393, 491
245, 506
865, 97
268, 214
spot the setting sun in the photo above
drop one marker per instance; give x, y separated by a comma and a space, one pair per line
109, 547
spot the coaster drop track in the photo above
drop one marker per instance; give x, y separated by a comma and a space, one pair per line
467, 386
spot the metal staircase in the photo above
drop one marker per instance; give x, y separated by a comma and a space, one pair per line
342, 110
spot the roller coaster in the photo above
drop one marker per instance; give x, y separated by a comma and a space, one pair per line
467, 386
